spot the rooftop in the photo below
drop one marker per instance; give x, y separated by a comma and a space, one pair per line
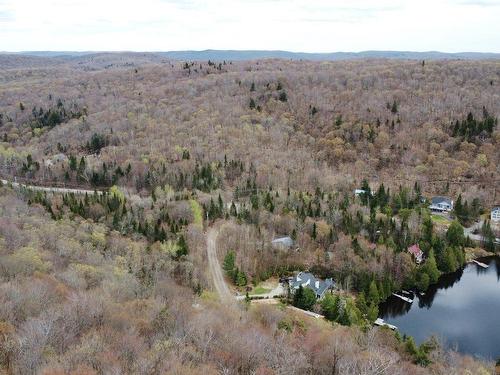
307, 279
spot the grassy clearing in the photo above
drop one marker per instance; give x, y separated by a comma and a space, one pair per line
209, 296
438, 219
260, 290
197, 213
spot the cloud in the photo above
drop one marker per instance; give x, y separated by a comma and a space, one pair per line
481, 3
298, 25
6, 16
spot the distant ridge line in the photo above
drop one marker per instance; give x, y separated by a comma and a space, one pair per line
240, 55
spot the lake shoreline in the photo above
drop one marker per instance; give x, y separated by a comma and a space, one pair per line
459, 309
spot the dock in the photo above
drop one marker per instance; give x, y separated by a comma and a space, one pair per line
381, 323
406, 299
480, 264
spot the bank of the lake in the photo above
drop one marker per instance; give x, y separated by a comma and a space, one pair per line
462, 309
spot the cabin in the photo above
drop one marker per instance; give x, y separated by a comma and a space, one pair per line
441, 204
495, 214
417, 253
282, 243
308, 280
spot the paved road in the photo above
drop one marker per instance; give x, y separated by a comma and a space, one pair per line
215, 269
59, 190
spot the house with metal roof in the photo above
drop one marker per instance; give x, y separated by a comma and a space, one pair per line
441, 204
417, 253
308, 280
282, 243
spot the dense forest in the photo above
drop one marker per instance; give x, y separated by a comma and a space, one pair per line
116, 281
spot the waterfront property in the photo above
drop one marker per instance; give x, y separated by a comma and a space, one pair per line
417, 253
308, 280
461, 309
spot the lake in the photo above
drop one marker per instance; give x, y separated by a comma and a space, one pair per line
462, 309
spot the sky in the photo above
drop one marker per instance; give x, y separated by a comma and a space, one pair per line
293, 25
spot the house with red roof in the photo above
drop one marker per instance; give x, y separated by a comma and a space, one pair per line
417, 253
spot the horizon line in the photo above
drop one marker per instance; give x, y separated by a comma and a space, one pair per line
242, 50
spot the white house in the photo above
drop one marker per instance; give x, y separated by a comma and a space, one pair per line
495, 214
441, 204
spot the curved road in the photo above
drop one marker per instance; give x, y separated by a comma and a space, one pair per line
215, 269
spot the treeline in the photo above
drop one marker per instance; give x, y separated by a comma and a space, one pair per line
113, 208
54, 115
466, 214
470, 128
238, 277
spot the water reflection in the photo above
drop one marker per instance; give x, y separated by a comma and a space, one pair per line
462, 308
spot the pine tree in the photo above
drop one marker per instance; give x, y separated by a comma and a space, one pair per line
431, 269
229, 259
411, 347
394, 108
373, 294
455, 234
361, 303
241, 279
372, 313
283, 97
329, 307
233, 210
182, 247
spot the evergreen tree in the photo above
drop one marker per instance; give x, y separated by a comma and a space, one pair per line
304, 298
430, 268
314, 234
411, 347
422, 281
455, 234
394, 107
229, 259
241, 279
361, 303
373, 294
182, 247
329, 307
372, 313
233, 211
367, 192
488, 236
